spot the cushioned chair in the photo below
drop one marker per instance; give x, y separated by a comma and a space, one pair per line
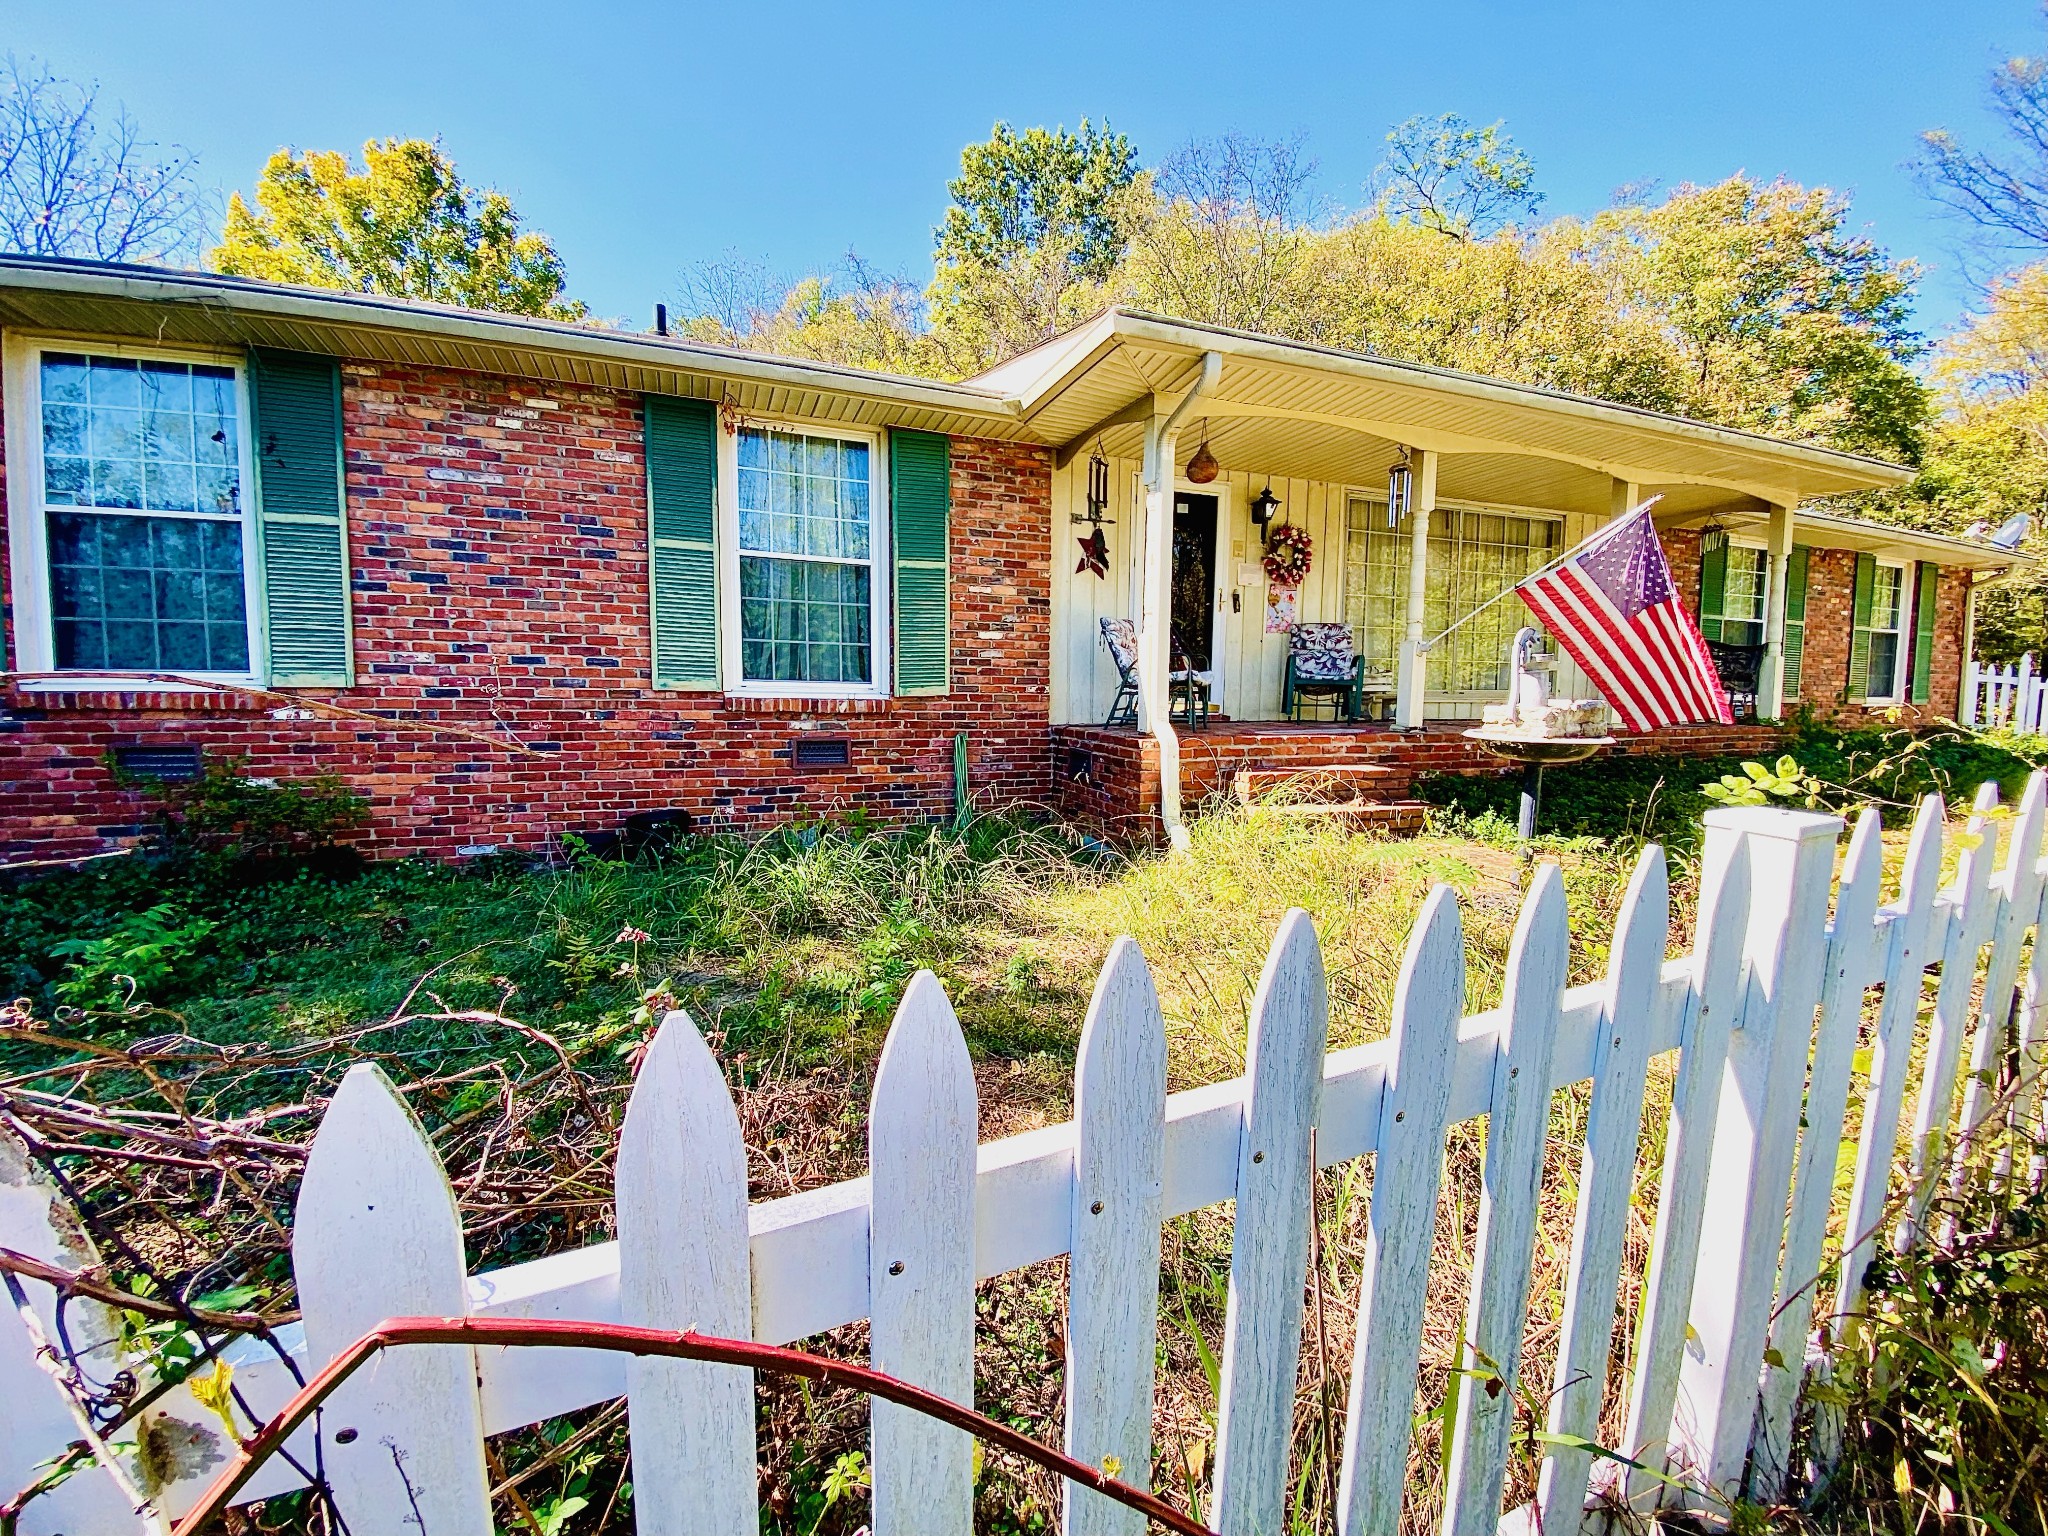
1323, 666
1187, 690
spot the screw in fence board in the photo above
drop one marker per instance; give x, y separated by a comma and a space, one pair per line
1755, 1129
682, 1214
1415, 1099
1269, 1245
377, 1235
1973, 905
1912, 938
1614, 1118
1517, 1116
1113, 1276
921, 1168
2016, 892
1711, 1004
1851, 961
35, 1220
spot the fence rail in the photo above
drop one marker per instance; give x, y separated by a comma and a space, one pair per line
2014, 696
1765, 1014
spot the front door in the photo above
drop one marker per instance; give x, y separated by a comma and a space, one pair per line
1194, 580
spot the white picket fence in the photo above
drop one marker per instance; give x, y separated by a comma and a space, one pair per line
2014, 696
1766, 1016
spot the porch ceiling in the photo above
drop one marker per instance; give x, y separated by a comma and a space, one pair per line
1324, 413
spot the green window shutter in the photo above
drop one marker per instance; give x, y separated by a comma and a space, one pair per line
1795, 624
301, 523
682, 516
1713, 582
1857, 684
1928, 581
920, 505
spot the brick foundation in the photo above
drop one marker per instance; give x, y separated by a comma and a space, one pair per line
1109, 779
498, 541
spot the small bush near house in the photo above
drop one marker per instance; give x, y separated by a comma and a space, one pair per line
226, 822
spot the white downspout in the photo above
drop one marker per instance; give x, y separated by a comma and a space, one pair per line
1154, 624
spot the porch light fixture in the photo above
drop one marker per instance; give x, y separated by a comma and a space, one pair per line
1203, 468
1263, 506
1400, 480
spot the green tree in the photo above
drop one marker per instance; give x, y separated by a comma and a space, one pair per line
1451, 177
1036, 229
405, 224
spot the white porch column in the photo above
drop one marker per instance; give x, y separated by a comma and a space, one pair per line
1155, 607
1622, 497
1770, 692
1411, 681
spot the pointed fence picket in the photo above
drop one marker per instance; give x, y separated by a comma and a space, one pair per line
1765, 1014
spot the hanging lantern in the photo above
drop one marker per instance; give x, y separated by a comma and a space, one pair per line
1400, 480
1263, 506
1098, 484
1203, 468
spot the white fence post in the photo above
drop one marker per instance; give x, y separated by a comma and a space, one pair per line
1791, 862
1614, 1122
377, 1235
921, 1151
34, 1220
1401, 1220
1713, 1002
1269, 1249
1518, 1116
682, 1213
1113, 1276
1850, 961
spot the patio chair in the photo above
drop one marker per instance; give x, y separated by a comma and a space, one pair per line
1740, 667
1323, 666
1188, 690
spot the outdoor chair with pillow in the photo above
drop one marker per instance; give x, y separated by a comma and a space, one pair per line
1323, 666
1187, 691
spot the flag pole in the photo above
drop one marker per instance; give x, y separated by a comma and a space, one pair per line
1436, 640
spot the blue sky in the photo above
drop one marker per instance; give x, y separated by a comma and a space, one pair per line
646, 137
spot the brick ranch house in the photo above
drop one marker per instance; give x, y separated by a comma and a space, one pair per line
511, 578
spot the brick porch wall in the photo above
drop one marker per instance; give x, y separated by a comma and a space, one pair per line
1120, 790
498, 540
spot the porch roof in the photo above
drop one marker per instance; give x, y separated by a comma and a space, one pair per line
1297, 408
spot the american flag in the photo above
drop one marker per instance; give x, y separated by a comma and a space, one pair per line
1614, 610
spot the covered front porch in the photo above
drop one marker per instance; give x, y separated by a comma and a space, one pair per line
1424, 497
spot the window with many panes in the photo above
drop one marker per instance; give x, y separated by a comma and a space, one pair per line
807, 558
1473, 557
1743, 596
1887, 622
138, 509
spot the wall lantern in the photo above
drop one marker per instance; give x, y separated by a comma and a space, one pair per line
1203, 468
1400, 480
1263, 506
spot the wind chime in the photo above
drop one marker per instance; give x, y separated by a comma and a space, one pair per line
1094, 546
1400, 482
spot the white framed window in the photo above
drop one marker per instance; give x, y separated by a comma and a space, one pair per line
1884, 680
132, 544
805, 553
1744, 594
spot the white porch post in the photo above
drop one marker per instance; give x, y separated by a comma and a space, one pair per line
1770, 693
1155, 607
1411, 682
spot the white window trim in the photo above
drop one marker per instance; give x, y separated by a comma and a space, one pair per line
881, 555
1902, 652
34, 640
1740, 541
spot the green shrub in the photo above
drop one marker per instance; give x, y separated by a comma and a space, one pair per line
225, 820
126, 966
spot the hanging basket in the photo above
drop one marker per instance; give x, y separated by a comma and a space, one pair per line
1289, 554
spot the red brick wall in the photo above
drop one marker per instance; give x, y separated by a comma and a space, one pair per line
499, 551
1830, 599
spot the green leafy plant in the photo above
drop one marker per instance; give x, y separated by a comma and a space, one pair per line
225, 819
121, 968
1758, 785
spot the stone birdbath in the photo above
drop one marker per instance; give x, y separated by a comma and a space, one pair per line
1536, 731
